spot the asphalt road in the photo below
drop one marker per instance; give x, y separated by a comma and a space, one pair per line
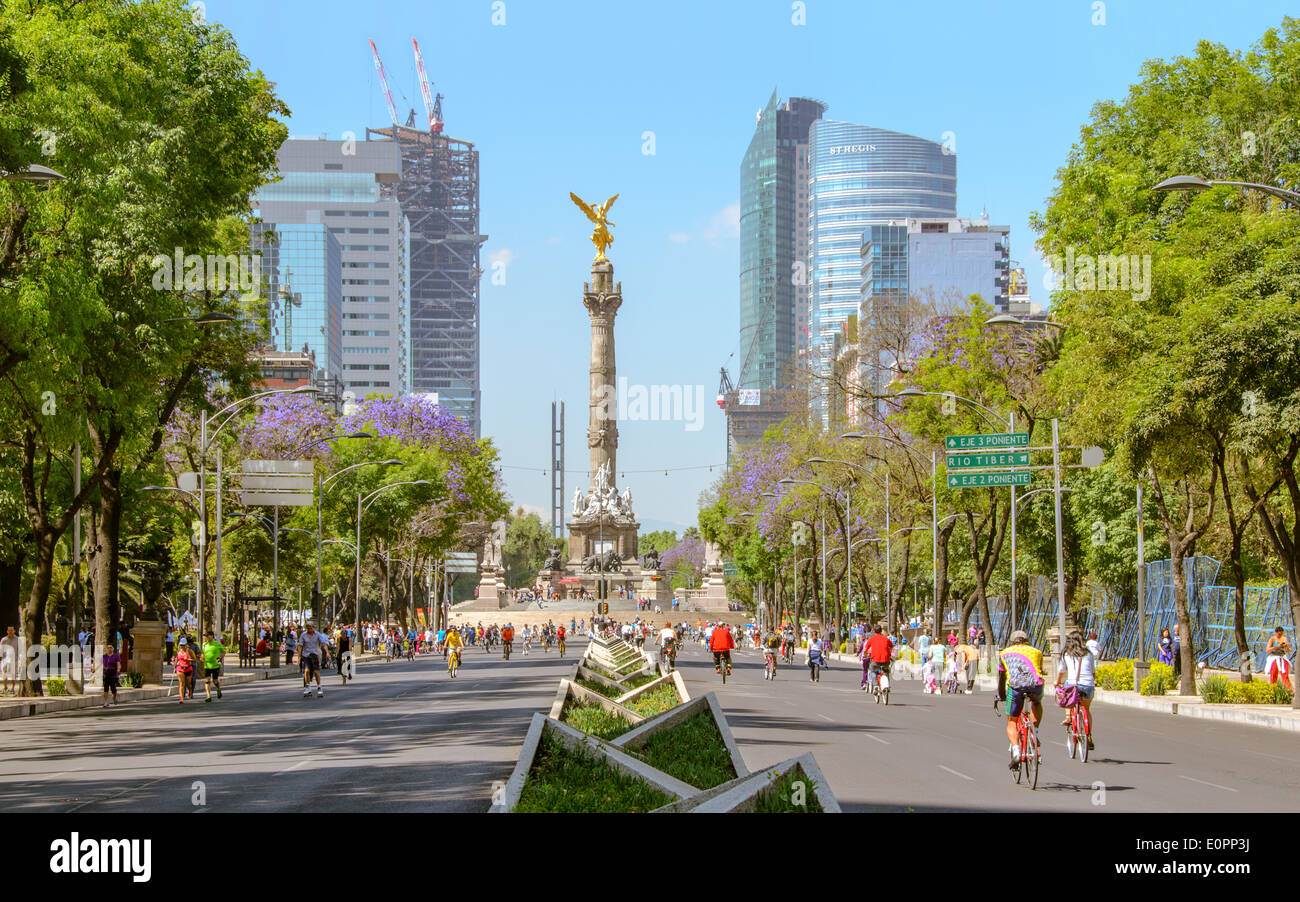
401, 737
926, 752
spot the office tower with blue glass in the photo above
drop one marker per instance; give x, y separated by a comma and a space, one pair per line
860, 176
774, 284
302, 264
338, 189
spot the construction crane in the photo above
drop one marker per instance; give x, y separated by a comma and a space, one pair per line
432, 107
383, 80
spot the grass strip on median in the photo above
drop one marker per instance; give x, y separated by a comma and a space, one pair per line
594, 686
565, 780
593, 719
655, 701
782, 797
692, 751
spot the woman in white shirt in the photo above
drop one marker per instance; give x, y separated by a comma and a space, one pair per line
1078, 668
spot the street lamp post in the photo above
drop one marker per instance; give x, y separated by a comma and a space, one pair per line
360, 512
204, 441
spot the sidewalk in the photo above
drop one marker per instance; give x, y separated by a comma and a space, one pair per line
23, 706
1274, 717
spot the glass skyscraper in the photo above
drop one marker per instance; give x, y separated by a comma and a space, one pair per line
773, 229
339, 186
302, 264
861, 177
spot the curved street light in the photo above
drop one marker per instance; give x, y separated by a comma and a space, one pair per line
1192, 183
362, 505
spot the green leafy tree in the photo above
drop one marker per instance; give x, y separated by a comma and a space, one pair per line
1198, 355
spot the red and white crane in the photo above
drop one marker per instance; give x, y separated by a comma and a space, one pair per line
383, 79
432, 108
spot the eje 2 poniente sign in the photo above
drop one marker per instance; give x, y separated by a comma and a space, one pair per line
987, 480
993, 459
987, 440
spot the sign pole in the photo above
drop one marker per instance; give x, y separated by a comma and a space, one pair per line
1141, 583
991, 640
1060, 550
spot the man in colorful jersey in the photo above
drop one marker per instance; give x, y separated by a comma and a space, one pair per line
213, 654
1020, 677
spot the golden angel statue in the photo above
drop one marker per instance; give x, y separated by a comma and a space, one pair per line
600, 236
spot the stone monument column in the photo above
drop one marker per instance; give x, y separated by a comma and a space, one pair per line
602, 297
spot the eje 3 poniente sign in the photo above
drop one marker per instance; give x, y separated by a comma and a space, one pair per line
993, 459
987, 440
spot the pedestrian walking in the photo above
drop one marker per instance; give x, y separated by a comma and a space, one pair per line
814, 658
185, 663
1278, 665
111, 662
1166, 645
9, 661
213, 654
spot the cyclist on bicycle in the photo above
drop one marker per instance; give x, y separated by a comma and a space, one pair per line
1020, 678
667, 642
559, 639
1078, 668
454, 645
787, 643
771, 648
877, 652
721, 644
507, 639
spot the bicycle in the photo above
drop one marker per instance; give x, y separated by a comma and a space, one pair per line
880, 685
1025, 768
1078, 732
769, 667
950, 684
453, 662
669, 656
559, 646
723, 665
505, 650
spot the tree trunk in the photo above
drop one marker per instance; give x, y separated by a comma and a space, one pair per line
34, 609
108, 523
941, 577
1181, 535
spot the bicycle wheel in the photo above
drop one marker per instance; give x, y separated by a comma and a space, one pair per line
1032, 776
885, 693
1071, 740
1085, 732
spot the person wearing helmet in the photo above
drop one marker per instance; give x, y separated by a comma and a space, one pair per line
1020, 679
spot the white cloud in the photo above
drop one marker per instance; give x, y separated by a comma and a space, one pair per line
722, 226
504, 255
725, 224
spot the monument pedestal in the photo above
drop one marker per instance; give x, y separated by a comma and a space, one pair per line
148, 657
489, 591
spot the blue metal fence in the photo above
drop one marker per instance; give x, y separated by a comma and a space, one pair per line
1115, 619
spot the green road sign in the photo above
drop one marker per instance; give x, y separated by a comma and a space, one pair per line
996, 459
988, 440
978, 480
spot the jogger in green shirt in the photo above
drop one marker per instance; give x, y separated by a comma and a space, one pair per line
213, 653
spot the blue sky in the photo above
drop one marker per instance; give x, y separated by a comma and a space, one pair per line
558, 98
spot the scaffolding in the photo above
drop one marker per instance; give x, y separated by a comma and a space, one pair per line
439, 195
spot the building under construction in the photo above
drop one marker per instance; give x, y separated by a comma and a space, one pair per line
439, 194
